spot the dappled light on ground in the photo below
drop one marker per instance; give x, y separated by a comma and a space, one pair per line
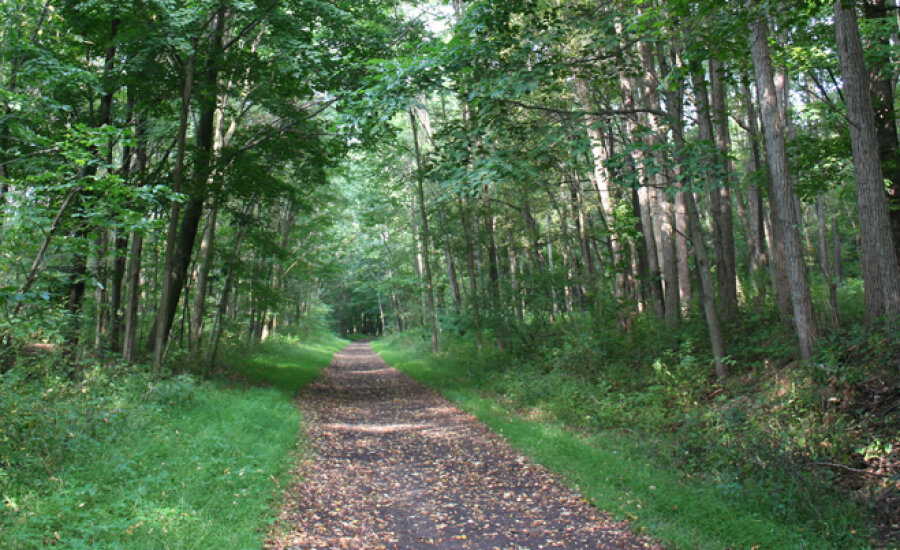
394, 465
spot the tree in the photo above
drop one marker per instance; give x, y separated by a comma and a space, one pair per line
880, 270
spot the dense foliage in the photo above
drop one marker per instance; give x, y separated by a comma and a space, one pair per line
676, 216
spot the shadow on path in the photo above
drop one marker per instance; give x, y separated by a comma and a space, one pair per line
395, 465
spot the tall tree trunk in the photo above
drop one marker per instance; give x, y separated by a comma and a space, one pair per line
156, 341
134, 292
601, 180
881, 84
554, 307
706, 134
880, 271
115, 291
493, 272
424, 234
133, 278
784, 214
754, 225
451, 275
675, 107
661, 187
176, 275
78, 269
647, 250
98, 261
726, 270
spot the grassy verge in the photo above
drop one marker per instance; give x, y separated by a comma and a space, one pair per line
121, 461
625, 471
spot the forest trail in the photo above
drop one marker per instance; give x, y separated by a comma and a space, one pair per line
395, 465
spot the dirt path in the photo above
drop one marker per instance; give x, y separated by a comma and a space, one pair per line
395, 465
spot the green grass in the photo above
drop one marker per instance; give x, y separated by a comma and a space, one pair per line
285, 365
622, 471
126, 462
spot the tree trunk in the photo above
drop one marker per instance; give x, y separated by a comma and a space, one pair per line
880, 271
707, 295
648, 254
493, 272
823, 263
157, 338
882, 91
424, 234
115, 292
601, 179
784, 214
201, 276
726, 270
661, 188
675, 107
134, 291
133, 278
176, 275
216, 333
473, 273
755, 216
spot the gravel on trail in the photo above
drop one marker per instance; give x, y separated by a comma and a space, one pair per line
393, 465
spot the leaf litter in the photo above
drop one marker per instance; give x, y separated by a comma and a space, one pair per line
395, 465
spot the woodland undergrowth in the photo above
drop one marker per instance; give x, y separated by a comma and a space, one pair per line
808, 446
113, 457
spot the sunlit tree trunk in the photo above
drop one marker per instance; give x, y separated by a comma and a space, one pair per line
784, 214
661, 186
648, 253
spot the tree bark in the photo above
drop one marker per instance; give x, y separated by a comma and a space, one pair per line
707, 295
754, 226
601, 180
176, 275
157, 339
880, 271
675, 110
882, 91
726, 268
129, 344
204, 263
661, 187
784, 214
648, 252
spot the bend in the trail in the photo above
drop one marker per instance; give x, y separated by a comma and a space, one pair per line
395, 465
